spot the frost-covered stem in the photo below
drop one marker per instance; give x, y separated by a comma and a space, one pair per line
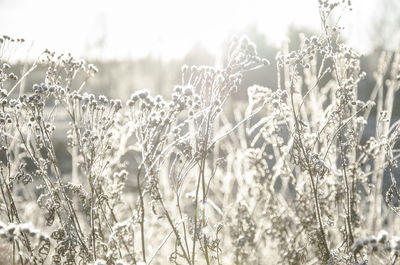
195, 218
203, 214
178, 238
350, 238
141, 211
314, 188
92, 222
201, 179
183, 225
71, 210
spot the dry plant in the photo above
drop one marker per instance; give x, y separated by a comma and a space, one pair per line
154, 180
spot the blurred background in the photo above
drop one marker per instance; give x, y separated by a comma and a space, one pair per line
142, 44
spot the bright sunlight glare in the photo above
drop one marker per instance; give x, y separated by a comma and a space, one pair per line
167, 29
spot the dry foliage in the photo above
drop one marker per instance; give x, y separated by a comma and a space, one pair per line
288, 179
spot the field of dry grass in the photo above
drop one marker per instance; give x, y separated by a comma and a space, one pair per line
289, 177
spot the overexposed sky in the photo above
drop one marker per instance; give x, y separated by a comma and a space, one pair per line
165, 28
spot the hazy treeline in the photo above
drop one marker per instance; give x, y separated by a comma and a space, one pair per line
120, 78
